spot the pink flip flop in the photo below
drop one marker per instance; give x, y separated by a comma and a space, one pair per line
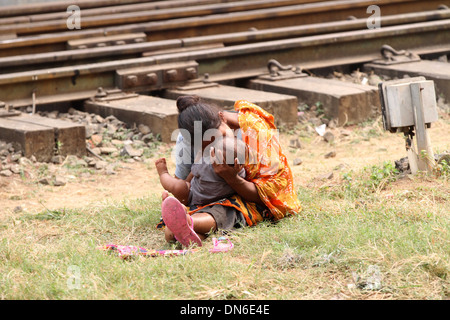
221, 245
174, 216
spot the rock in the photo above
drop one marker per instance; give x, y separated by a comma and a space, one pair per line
92, 129
332, 124
71, 160
443, 157
330, 154
443, 58
25, 161
100, 165
324, 120
110, 169
369, 280
53, 114
148, 138
96, 151
315, 122
15, 168
127, 141
107, 150
44, 181
111, 118
96, 139
117, 143
89, 130
345, 132
128, 150
301, 116
374, 80
328, 136
111, 128
325, 176
97, 118
57, 159
138, 144
27, 175
144, 129
90, 161
341, 166
129, 136
295, 143
59, 181
6, 173
297, 161
81, 163
402, 165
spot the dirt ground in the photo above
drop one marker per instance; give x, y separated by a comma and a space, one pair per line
355, 148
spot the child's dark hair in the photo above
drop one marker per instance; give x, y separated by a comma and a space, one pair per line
192, 109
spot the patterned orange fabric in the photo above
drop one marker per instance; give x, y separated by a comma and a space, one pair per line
266, 166
271, 172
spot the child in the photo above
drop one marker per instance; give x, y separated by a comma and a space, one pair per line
203, 185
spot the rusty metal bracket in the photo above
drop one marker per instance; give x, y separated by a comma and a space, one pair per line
277, 71
111, 95
391, 56
156, 77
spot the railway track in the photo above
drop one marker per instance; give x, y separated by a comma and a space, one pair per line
154, 48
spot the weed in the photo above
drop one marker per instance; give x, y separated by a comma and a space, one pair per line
42, 170
442, 169
381, 176
319, 108
372, 179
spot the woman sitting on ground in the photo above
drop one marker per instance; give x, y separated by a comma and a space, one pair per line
266, 192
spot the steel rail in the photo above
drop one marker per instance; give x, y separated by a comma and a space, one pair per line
277, 16
54, 6
348, 47
127, 50
139, 7
194, 27
150, 15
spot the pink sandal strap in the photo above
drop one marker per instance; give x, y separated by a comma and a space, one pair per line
221, 245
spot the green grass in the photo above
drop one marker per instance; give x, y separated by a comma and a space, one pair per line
325, 252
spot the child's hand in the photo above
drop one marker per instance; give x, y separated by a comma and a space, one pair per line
161, 166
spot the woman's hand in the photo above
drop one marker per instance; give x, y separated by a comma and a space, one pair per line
228, 172
246, 189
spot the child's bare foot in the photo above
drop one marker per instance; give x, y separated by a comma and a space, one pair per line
161, 166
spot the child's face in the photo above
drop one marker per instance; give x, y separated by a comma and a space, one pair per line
224, 130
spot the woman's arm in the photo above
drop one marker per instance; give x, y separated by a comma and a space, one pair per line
231, 119
246, 189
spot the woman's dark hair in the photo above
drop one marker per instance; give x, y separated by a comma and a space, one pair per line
192, 109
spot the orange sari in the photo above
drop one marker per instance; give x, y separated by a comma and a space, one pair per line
268, 168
